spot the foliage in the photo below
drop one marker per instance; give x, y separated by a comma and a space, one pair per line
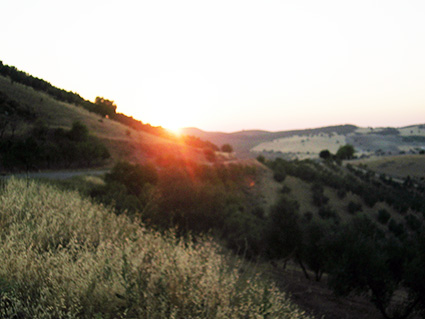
319, 198
353, 207
383, 216
261, 159
52, 148
327, 212
345, 152
106, 107
284, 232
86, 262
315, 246
210, 155
78, 133
325, 154
279, 176
227, 148
188, 197
365, 261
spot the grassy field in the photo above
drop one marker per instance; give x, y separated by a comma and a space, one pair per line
303, 146
64, 257
398, 166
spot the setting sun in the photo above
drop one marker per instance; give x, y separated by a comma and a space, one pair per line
174, 100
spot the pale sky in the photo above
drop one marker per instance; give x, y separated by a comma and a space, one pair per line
229, 65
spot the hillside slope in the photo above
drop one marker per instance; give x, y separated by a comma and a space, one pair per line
97, 264
301, 144
123, 142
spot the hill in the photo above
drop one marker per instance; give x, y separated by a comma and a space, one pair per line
22, 107
300, 144
398, 166
87, 262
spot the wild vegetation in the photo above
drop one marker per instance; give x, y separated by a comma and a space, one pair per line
146, 254
64, 257
187, 197
42, 147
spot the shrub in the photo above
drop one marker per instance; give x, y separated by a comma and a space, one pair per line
383, 216
227, 148
326, 212
341, 193
261, 159
210, 155
285, 189
353, 207
279, 176
396, 228
325, 154
319, 198
413, 222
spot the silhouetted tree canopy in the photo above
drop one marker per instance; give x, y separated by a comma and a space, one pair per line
227, 148
106, 107
325, 154
345, 152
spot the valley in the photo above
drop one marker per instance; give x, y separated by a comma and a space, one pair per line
321, 232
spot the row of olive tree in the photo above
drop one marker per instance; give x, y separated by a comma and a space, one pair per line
358, 257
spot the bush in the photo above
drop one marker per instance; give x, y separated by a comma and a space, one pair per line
279, 176
413, 222
210, 155
325, 154
319, 198
261, 159
326, 212
353, 207
383, 216
285, 190
227, 148
341, 193
396, 228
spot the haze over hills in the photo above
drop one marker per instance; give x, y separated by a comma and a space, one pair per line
308, 143
272, 208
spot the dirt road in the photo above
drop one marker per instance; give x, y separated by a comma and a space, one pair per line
57, 174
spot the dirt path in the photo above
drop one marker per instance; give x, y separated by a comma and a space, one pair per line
57, 174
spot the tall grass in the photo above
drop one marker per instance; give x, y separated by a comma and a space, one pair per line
65, 257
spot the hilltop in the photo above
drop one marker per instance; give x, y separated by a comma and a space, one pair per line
24, 105
301, 144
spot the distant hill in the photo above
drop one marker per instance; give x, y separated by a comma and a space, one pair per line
308, 143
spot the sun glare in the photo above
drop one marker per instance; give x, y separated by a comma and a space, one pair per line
175, 100
176, 131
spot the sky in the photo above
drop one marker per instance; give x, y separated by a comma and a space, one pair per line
229, 65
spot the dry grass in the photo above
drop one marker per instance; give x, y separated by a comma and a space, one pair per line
123, 142
398, 166
61, 114
304, 146
64, 257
